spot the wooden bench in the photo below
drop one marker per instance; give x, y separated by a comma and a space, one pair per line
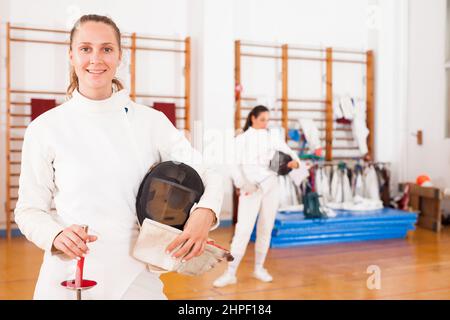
427, 201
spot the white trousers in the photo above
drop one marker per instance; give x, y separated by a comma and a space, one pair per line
266, 204
146, 286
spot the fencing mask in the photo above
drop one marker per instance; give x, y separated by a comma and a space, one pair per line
167, 194
279, 163
165, 199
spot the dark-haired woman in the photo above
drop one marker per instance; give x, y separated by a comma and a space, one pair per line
258, 192
90, 155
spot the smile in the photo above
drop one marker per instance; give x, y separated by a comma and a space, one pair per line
96, 71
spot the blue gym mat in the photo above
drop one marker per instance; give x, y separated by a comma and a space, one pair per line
358, 238
283, 233
292, 229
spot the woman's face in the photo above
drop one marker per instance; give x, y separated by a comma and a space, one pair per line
261, 121
95, 56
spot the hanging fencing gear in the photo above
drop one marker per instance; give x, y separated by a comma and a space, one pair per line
288, 192
346, 106
311, 132
166, 197
371, 186
279, 163
384, 177
323, 184
357, 181
359, 128
340, 185
299, 175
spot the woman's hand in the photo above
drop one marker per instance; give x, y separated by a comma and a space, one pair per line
293, 164
72, 241
194, 235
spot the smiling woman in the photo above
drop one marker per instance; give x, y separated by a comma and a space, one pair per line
90, 155
95, 53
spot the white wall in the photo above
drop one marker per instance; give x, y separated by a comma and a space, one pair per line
213, 26
388, 36
426, 92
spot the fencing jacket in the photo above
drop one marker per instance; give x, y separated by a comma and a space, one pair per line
91, 156
253, 151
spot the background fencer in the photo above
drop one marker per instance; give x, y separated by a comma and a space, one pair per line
258, 191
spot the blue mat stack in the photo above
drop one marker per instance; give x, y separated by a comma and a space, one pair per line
292, 229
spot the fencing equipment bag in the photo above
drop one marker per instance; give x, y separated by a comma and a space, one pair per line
166, 197
279, 163
311, 205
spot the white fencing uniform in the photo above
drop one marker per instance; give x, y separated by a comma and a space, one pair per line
358, 187
347, 107
311, 132
355, 112
139, 288
366, 195
254, 150
323, 185
370, 182
359, 127
91, 156
266, 204
340, 187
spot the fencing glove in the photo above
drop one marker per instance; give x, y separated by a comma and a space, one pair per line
151, 245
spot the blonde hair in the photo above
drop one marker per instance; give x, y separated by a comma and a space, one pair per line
117, 85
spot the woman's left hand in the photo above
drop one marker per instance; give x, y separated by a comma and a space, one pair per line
293, 164
194, 235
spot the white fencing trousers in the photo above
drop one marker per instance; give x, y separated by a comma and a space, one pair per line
146, 286
266, 204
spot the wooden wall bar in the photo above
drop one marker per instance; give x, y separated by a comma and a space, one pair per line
328, 57
237, 84
285, 93
370, 103
329, 106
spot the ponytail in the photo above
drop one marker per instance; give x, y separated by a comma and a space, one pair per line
255, 112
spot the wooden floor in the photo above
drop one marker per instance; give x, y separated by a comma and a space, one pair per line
414, 268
